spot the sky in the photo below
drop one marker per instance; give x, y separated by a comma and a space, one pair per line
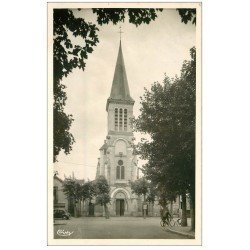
149, 52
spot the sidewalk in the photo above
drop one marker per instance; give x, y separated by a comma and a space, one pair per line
183, 230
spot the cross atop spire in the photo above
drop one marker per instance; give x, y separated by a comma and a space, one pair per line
120, 32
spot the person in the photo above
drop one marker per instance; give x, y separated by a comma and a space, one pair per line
165, 215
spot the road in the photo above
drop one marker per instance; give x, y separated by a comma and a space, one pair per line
113, 228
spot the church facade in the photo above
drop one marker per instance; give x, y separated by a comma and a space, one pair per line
118, 161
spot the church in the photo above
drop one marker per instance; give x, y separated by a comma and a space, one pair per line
118, 161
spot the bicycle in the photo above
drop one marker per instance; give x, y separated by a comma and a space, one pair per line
164, 222
171, 222
177, 222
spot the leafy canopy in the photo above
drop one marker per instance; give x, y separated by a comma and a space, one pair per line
140, 186
102, 190
168, 116
72, 189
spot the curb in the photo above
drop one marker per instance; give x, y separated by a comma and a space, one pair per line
181, 233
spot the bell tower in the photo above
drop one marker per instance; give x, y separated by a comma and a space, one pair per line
120, 104
118, 162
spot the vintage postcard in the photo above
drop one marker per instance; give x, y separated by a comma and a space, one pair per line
124, 124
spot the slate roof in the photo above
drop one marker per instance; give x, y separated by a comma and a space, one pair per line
120, 88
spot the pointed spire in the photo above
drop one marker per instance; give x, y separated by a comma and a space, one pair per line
120, 88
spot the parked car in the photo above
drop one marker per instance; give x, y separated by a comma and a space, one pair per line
61, 214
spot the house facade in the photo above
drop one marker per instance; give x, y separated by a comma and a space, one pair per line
60, 200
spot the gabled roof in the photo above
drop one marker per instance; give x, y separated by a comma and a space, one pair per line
57, 178
120, 88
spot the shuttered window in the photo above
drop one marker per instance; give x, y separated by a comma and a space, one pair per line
116, 119
125, 119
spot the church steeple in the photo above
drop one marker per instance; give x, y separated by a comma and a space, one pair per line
120, 89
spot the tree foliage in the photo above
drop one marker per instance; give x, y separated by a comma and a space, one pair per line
66, 57
187, 15
145, 188
79, 191
168, 116
88, 191
152, 193
135, 16
140, 187
72, 189
102, 190
98, 189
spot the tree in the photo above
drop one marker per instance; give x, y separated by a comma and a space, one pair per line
88, 191
102, 190
168, 116
152, 193
145, 188
140, 187
68, 56
73, 191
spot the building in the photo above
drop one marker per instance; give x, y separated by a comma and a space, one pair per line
60, 200
118, 162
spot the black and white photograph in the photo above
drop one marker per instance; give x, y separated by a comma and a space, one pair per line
124, 124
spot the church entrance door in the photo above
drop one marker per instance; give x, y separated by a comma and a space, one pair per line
120, 207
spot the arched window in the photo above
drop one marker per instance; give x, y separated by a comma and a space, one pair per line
120, 171
120, 119
116, 119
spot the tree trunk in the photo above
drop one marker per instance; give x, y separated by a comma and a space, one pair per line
74, 204
144, 210
192, 201
106, 211
80, 208
184, 210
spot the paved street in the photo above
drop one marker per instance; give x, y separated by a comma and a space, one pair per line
113, 228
